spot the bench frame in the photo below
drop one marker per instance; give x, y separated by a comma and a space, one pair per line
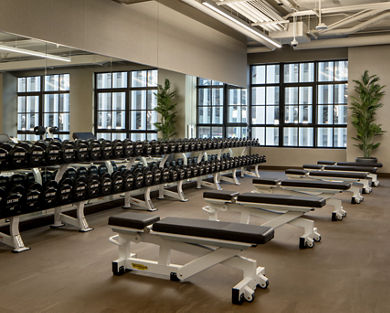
276, 215
207, 251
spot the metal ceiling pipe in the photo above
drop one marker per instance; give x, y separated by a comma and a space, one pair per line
356, 28
345, 42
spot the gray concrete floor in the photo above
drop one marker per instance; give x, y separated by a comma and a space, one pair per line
348, 271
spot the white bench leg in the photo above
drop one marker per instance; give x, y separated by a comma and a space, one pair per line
338, 211
14, 239
310, 232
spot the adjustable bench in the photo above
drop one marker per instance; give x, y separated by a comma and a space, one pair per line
277, 209
356, 164
370, 171
359, 181
211, 243
327, 190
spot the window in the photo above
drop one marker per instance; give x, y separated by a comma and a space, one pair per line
300, 104
221, 110
125, 103
43, 100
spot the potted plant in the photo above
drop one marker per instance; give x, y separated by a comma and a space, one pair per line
166, 107
364, 106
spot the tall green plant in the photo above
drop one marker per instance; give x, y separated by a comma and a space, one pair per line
166, 106
364, 106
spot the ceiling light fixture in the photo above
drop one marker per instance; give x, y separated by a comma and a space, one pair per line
34, 53
320, 26
255, 34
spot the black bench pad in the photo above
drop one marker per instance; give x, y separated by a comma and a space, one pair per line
214, 229
316, 184
220, 195
360, 164
266, 181
313, 166
348, 168
296, 172
133, 220
304, 201
338, 174
327, 162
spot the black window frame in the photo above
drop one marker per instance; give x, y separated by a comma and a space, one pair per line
41, 95
282, 106
127, 91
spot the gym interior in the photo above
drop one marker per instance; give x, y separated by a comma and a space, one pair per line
194, 156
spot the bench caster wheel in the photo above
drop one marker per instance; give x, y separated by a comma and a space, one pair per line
375, 184
263, 285
303, 243
117, 270
250, 298
237, 298
336, 217
355, 201
317, 239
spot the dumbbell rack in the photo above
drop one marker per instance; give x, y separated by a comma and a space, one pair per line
15, 240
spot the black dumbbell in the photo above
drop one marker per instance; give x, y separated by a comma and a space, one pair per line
173, 174
117, 149
68, 151
138, 178
128, 148
156, 147
139, 148
147, 148
181, 173
49, 194
82, 150
94, 149
32, 197
128, 180
165, 175
116, 182
35, 154
102, 169
64, 191
105, 183
107, 148
156, 175
16, 154
148, 176
11, 199
79, 191
179, 146
52, 151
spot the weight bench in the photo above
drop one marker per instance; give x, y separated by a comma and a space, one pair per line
277, 209
356, 164
327, 190
211, 243
370, 171
359, 181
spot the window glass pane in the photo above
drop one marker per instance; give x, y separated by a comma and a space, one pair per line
217, 83
291, 95
217, 94
52, 83
151, 136
204, 116
50, 119
272, 136
341, 68
31, 137
272, 113
258, 74
324, 137
204, 82
33, 83
258, 95
22, 84
104, 120
305, 114
51, 103
340, 114
21, 122
273, 74
152, 78
204, 96
65, 82
259, 133
291, 73
306, 137
103, 80
258, 115
325, 71
325, 94
64, 122
217, 117
234, 97
106, 136
104, 101
118, 101
119, 80
32, 104
216, 132
325, 114
272, 95
341, 93
138, 78
204, 132
151, 119
244, 114
151, 100
234, 114
291, 114
64, 102
118, 119
234, 132
340, 137
305, 95
138, 120
290, 136
138, 100
306, 72
138, 136
21, 104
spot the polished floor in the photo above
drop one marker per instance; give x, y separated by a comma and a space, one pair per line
70, 272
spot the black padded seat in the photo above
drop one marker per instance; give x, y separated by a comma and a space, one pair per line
346, 168
133, 220
313, 166
83, 135
214, 229
362, 164
316, 184
327, 162
304, 201
296, 172
338, 174
266, 181
220, 195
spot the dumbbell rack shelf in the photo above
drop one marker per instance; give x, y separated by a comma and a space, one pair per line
15, 241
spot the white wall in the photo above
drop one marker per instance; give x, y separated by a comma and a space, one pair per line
375, 59
148, 33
